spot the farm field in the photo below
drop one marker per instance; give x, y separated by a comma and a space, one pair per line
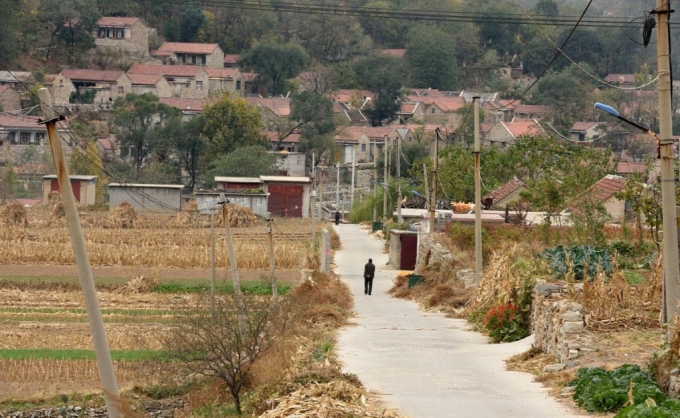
143, 276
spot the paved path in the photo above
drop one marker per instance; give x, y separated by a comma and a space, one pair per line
424, 364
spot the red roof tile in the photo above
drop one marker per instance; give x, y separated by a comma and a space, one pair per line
504, 190
166, 70
582, 126
627, 167
533, 109
185, 104
227, 73
117, 21
91, 75
279, 106
449, 104
408, 108
12, 121
524, 127
620, 78
231, 58
144, 79
606, 188
187, 48
274, 137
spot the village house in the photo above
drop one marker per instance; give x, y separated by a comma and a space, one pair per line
603, 192
273, 110
184, 53
83, 188
10, 99
225, 79
108, 148
410, 112
186, 81
230, 60
532, 112
150, 83
443, 111
500, 110
585, 131
18, 133
291, 143
107, 85
128, 34
15, 79
504, 195
623, 80
345, 111
189, 107
504, 134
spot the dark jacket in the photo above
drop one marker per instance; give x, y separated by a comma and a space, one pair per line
369, 270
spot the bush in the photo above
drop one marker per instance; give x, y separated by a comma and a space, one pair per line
580, 257
599, 390
633, 256
648, 409
504, 323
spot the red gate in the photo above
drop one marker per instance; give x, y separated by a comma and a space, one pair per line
285, 200
409, 250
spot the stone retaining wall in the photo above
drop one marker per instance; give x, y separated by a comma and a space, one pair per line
558, 324
162, 409
431, 254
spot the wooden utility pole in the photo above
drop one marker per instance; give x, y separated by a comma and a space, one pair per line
670, 232
478, 194
94, 314
433, 195
238, 296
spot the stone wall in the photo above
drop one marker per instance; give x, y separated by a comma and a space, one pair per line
431, 253
558, 324
162, 409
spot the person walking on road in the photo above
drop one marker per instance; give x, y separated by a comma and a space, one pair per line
337, 217
369, 273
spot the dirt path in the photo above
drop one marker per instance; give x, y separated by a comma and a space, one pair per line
29, 270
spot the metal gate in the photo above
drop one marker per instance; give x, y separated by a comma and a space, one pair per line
409, 249
75, 185
285, 200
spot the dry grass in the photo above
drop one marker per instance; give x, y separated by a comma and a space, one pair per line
123, 216
14, 214
437, 291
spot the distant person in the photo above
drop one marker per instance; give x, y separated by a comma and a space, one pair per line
369, 273
337, 218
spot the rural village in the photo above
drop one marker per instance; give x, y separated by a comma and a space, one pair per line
339, 208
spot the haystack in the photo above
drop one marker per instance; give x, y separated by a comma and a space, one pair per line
188, 214
58, 211
123, 216
14, 214
139, 284
239, 217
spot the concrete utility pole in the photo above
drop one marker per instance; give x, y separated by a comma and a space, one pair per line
427, 187
433, 195
234, 269
320, 197
386, 180
337, 187
212, 262
375, 185
399, 218
670, 232
351, 199
478, 194
94, 314
272, 264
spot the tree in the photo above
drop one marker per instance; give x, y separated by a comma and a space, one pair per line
70, 21
9, 181
644, 204
187, 28
230, 123
319, 80
431, 54
248, 161
274, 63
308, 109
137, 120
383, 75
546, 8
186, 144
210, 342
385, 32
88, 162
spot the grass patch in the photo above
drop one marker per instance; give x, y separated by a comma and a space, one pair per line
55, 354
125, 312
634, 278
248, 287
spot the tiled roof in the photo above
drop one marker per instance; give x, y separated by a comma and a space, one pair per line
533, 109
117, 21
4, 88
227, 73
627, 167
504, 190
14, 76
620, 78
345, 95
606, 188
524, 127
583, 126
166, 70
107, 143
231, 58
187, 48
10, 121
399, 53
408, 108
485, 127
144, 79
247, 77
274, 137
91, 75
448, 104
279, 106
427, 92
503, 104
184, 104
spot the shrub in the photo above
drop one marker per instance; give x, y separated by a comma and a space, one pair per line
649, 409
504, 324
579, 257
599, 390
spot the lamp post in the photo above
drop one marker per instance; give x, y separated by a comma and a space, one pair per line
671, 282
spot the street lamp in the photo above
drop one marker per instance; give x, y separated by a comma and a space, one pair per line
671, 274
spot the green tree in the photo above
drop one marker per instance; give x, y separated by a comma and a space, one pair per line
546, 8
644, 204
9, 181
248, 161
383, 75
137, 121
308, 110
187, 145
431, 54
384, 32
231, 123
71, 22
88, 162
275, 63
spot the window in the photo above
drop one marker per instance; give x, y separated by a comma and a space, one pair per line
199, 85
363, 147
109, 33
238, 85
203, 59
120, 33
434, 110
121, 90
12, 136
24, 138
101, 33
193, 59
40, 138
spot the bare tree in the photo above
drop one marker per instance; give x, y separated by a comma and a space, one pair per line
214, 346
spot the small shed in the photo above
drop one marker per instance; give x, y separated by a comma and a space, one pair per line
257, 202
288, 196
83, 188
403, 249
236, 183
147, 197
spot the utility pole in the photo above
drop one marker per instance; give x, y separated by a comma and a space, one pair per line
375, 179
272, 265
427, 187
399, 218
351, 199
433, 195
321, 167
212, 262
94, 313
670, 231
234, 269
385, 179
337, 187
478, 194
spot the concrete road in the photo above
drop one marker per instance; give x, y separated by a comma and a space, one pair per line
424, 364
